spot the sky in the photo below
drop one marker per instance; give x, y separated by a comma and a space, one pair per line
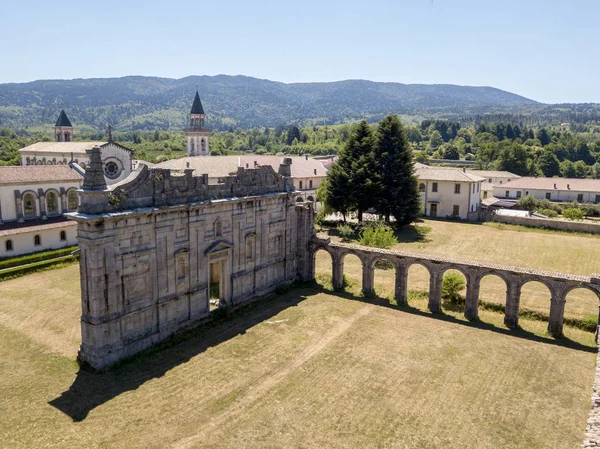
546, 50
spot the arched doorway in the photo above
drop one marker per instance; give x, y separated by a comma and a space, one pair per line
323, 265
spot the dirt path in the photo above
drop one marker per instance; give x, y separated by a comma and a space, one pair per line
272, 380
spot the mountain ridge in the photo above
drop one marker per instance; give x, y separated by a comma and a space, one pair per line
137, 102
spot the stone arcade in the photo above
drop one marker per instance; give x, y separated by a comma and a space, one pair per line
160, 251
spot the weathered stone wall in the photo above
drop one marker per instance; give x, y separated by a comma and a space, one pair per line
146, 271
562, 225
592, 431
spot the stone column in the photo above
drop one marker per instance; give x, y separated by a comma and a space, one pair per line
337, 275
401, 285
513, 297
368, 275
63, 201
42, 198
19, 206
472, 300
557, 311
435, 291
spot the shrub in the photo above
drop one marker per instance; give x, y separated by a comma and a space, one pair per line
377, 235
573, 213
452, 284
345, 231
527, 202
550, 213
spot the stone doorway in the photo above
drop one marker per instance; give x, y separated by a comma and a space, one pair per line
433, 210
215, 286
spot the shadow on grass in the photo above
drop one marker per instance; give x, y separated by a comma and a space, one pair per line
478, 324
90, 389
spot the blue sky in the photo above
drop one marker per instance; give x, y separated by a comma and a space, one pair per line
545, 50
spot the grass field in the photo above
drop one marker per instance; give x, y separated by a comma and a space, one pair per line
490, 242
307, 369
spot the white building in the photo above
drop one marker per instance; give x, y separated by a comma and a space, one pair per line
449, 192
33, 200
553, 189
492, 179
117, 159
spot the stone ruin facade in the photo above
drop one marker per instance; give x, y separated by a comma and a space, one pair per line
159, 252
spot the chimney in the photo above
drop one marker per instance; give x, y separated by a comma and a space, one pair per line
247, 165
555, 185
187, 164
285, 169
315, 171
255, 164
568, 187
306, 156
464, 170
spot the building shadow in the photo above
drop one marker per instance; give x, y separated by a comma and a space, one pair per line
92, 389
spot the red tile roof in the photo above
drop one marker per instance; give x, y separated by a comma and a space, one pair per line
37, 173
567, 184
14, 227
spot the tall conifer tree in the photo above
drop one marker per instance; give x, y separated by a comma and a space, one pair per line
400, 195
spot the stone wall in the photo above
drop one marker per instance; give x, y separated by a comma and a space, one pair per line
150, 260
562, 225
592, 431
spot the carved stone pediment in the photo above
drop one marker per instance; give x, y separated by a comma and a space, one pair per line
218, 247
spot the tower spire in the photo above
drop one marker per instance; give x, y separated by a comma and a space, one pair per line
63, 129
197, 134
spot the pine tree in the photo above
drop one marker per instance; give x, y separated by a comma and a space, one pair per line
400, 195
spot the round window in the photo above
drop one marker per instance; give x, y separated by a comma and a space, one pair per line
112, 170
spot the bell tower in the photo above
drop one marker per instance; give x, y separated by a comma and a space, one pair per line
63, 130
197, 134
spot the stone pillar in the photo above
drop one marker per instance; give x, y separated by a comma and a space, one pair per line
472, 300
513, 297
435, 291
401, 285
557, 311
337, 276
42, 199
63, 201
19, 206
368, 275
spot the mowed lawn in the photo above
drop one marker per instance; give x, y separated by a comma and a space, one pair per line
502, 244
304, 370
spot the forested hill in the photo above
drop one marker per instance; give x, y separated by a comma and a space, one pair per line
148, 103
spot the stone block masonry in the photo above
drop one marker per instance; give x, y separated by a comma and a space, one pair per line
160, 252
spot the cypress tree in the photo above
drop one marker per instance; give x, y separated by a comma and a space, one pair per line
364, 173
400, 195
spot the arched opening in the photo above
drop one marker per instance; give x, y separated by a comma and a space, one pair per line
581, 309
422, 187
417, 285
535, 299
72, 200
9, 245
299, 199
37, 240
310, 198
492, 290
250, 249
323, 269
63, 236
454, 289
353, 273
29, 206
384, 279
51, 203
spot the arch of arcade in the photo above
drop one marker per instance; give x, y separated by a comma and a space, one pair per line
559, 284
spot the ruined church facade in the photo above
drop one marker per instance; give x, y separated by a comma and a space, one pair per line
160, 251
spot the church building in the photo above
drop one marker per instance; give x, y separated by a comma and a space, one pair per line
197, 135
117, 159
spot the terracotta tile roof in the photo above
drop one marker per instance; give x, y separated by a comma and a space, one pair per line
219, 166
14, 227
37, 173
60, 147
427, 173
573, 184
493, 174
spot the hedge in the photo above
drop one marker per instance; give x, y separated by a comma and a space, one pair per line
36, 266
36, 257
